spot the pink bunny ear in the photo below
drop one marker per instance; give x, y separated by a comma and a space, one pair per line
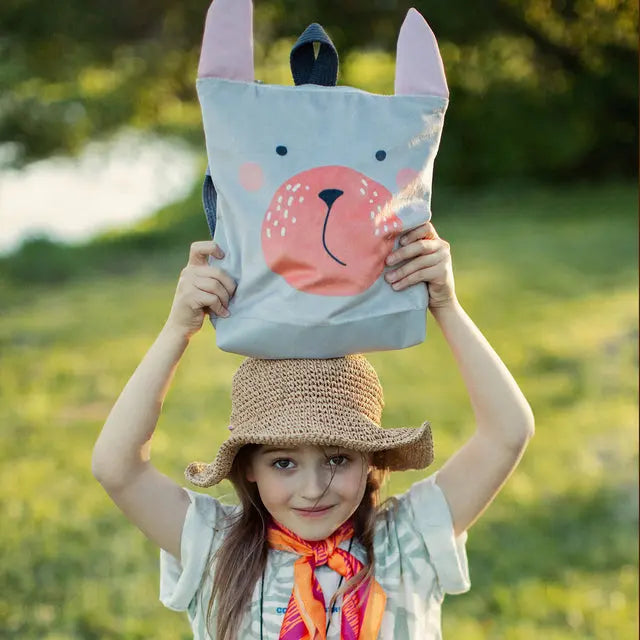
419, 68
227, 45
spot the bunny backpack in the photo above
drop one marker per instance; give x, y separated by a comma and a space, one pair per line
309, 187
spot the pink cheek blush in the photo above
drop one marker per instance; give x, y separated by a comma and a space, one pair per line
251, 176
405, 177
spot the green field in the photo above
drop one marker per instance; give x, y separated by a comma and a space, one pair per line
548, 274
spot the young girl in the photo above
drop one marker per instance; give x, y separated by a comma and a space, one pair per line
309, 552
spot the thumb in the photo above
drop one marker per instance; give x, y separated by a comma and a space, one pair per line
200, 252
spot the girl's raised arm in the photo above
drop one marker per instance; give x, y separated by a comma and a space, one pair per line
121, 455
472, 477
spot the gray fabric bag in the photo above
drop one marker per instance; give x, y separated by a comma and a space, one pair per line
310, 186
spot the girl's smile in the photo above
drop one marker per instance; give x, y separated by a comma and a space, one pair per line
318, 512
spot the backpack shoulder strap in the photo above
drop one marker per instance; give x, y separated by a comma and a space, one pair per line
209, 202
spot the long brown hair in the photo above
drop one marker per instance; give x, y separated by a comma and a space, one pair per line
241, 558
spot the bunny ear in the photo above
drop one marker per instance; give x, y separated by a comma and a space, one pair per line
227, 45
419, 68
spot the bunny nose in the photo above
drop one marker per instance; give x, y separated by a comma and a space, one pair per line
330, 196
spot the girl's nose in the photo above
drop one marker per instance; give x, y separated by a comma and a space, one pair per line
314, 484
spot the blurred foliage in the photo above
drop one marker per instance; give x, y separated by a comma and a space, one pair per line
548, 274
539, 88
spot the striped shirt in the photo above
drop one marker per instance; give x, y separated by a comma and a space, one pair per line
418, 560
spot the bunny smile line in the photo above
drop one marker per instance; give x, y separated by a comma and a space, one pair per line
324, 243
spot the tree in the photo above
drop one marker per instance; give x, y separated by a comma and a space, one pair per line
539, 87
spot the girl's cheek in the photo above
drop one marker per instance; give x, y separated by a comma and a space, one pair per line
280, 486
348, 483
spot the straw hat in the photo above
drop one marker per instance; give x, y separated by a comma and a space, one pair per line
327, 402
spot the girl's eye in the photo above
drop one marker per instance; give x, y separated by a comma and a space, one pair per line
283, 464
338, 461
381, 155
281, 150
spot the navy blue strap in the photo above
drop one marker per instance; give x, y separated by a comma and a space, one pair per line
305, 67
210, 202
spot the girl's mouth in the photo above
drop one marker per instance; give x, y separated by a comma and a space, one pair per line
316, 512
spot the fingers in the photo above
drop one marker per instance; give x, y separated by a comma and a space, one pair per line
212, 302
214, 287
424, 231
425, 257
426, 274
199, 252
417, 264
416, 248
209, 287
203, 286
215, 274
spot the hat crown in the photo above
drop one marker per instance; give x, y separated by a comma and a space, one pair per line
325, 402
316, 389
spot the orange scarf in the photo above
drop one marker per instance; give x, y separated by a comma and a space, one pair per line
305, 618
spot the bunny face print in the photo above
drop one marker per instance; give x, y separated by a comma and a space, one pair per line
331, 182
314, 185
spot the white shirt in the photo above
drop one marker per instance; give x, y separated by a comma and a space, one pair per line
417, 559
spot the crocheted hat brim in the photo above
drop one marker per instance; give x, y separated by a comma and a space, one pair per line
397, 449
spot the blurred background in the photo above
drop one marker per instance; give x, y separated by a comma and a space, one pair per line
535, 187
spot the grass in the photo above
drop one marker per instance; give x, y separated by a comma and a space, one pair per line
548, 274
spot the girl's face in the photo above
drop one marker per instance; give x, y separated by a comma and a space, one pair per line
309, 490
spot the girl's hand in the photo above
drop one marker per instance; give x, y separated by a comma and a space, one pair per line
202, 289
428, 260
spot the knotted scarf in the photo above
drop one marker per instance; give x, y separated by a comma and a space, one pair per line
305, 618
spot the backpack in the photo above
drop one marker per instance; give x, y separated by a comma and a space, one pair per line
310, 186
